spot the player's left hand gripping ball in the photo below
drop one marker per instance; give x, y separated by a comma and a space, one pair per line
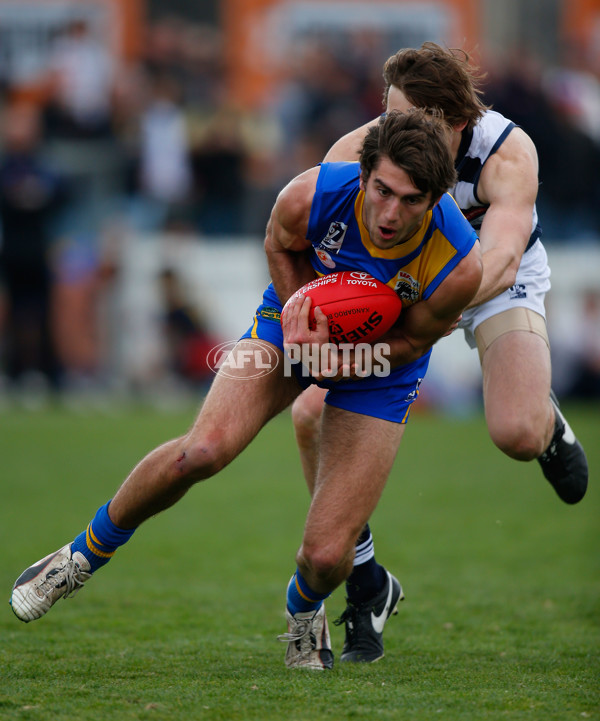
359, 308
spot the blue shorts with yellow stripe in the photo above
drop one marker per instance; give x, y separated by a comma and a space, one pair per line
389, 398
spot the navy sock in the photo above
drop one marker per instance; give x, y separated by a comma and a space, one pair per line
368, 577
301, 598
101, 539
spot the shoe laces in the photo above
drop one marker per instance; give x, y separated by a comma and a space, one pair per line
559, 431
348, 617
550, 453
70, 576
300, 632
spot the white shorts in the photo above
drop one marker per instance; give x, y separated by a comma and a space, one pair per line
530, 288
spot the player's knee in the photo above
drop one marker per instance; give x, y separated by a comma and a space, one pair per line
328, 562
201, 458
518, 441
306, 417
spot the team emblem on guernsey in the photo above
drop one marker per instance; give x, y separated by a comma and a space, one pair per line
331, 243
269, 313
519, 290
325, 258
407, 287
412, 396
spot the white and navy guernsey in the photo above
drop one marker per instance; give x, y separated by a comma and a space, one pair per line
476, 147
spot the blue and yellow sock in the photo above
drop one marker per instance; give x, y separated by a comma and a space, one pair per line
101, 539
301, 598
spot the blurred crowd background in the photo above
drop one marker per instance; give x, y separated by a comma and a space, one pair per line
141, 151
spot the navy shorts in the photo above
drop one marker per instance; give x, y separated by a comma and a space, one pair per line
389, 398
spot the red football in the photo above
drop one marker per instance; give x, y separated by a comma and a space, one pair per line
359, 308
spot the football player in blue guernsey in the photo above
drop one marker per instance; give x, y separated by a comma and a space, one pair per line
388, 215
497, 169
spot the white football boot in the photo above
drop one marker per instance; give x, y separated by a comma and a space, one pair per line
38, 588
309, 644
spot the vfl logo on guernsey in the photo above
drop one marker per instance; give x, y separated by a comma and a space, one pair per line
412, 396
519, 290
331, 243
407, 287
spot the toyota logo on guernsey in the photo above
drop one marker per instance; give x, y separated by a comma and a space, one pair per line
252, 359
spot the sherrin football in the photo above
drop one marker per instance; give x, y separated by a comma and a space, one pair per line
359, 308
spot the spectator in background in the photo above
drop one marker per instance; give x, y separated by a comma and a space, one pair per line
203, 68
574, 94
162, 47
163, 171
586, 364
219, 163
569, 191
574, 88
189, 341
81, 86
81, 278
320, 100
30, 195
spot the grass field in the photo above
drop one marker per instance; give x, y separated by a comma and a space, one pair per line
501, 619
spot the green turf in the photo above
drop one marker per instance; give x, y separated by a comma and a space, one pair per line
501, 619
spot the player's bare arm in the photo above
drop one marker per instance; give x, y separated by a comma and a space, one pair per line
286, 245
509, 183
347, 148
422, 324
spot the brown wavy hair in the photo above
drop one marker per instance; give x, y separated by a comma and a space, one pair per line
436, 77
417, 142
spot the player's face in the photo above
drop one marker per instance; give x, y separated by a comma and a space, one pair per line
397, 100
393, 209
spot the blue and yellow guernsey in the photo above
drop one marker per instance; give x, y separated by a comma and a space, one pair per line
341, 242
414, 270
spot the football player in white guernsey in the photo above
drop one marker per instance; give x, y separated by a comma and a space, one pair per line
497, 168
